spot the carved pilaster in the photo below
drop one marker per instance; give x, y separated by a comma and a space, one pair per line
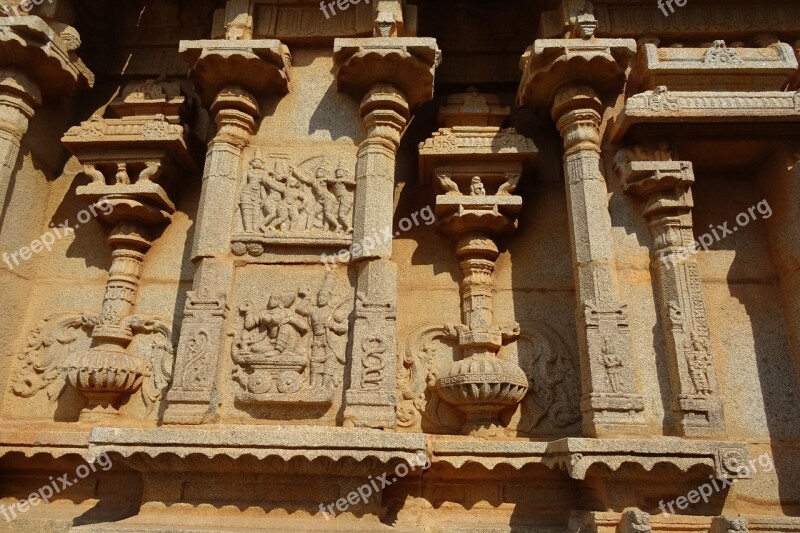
19, 99
35, 63
230, 76
134, 160
574, 78
665, 184
392, 76
201, 342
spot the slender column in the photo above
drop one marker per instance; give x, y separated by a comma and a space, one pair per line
665, 186
35, 60
19, 99
191, 398
610, 403
392, 76
372, 402
229, 76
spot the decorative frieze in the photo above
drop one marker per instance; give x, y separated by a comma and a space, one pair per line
717, 68
281, 204
726, 111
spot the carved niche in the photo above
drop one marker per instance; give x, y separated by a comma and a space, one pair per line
282, 203
291, 347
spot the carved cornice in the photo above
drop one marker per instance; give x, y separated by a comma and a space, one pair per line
407, 63
714, 68
549, 64
577, 455
154, 446
687, 109
31, 45
260, 67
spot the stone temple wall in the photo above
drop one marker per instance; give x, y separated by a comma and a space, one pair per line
407, 265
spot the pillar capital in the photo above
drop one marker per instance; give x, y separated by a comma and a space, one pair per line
551, 64
407, 63
258, 67
30, 45
652, 173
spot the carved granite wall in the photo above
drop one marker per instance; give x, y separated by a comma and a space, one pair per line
443, 252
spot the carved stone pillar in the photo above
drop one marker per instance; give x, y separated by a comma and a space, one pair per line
665, 184
35, 63
229, 76
134, 161
481, 383
572, 77
393, 76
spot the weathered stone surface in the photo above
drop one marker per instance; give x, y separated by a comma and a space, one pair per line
406, 288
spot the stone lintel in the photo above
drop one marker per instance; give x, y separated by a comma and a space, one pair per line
31, 45
707, 113
257, 66
577, 455
257, 442
54, 439
549, 64
408, 63
714, 68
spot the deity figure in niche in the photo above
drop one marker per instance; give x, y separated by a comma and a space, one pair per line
326, 319
250, 197
323, 214
476, 187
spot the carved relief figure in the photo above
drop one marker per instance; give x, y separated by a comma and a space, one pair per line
290, 201
613, 363
250, 197
288, 346
476, 187
325, 318
699, 362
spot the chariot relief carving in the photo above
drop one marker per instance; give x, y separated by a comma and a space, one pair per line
284, 204
289, 348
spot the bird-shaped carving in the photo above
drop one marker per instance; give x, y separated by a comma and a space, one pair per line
151, 172
510, 185
97, 177
449, 186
